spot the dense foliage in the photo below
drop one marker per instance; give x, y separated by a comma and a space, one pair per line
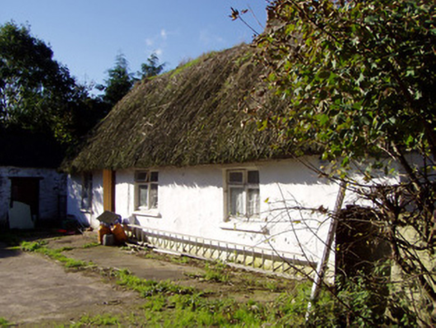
151, 67
360, 79
360, 76
38, 94
120, 80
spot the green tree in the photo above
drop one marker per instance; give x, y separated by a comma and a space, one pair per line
360, 77
151, 67
119, 81
36, 92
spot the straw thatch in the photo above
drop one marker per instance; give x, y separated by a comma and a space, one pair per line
188, 116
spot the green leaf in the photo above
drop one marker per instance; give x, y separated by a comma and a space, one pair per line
323, 119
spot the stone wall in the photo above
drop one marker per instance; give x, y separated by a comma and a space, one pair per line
52, 192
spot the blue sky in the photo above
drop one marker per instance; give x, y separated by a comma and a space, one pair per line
87, 35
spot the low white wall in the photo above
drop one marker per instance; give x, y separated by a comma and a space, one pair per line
52, 190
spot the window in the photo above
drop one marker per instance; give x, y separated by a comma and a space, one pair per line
86, 197
146, 190
243, 193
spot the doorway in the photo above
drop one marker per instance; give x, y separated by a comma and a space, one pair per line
362, 255
26, 190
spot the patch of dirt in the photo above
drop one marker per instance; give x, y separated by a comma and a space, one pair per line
38, 291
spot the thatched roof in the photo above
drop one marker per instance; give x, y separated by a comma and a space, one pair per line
188, 116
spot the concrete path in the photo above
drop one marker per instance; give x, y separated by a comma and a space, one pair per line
35, 290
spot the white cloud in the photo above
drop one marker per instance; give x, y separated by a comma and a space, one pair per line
163, 34
158, 42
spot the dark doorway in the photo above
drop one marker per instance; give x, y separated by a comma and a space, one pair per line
362, 254
26, 190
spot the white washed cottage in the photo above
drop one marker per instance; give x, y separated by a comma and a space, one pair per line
180, 158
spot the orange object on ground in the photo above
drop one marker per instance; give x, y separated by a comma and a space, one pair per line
103, 230
119, 233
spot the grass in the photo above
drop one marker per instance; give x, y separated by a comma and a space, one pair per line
5, 323
90, 245
170, 305
55, 254
216, 271
180, 259
183, 66
98, 320
167, 304
197, 310
148, 288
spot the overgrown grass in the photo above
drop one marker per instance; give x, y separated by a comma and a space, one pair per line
183, 66
193, 310
149, 287
196, 310
216, 271
98, 320
180, 259
192, 62
167, 304
55, 254
90, 245
5, 323
170, 305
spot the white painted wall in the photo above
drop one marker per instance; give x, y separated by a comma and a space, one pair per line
192, 202
74, 198
52, 187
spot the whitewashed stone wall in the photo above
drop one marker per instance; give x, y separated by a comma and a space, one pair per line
52, 190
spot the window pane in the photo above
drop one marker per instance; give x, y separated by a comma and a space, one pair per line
236, 201
253, 202
142, 196
86, 191
253, 177
153, 196
141, 176
236, 177
154, 176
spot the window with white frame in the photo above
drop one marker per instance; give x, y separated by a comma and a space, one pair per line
86, 195
243, 193
146, 190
